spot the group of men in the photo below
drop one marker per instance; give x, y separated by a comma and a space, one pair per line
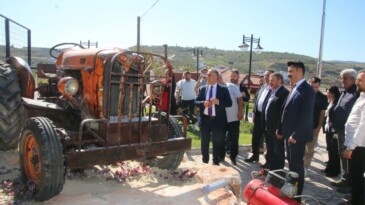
294, 119
288, 119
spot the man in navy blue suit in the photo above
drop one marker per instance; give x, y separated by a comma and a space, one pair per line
296, 124
212, 100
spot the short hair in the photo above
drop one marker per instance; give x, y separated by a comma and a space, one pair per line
187, 72
271, 71
350, 72
315, 80
297, 65
216, 72
278, 76
236, 71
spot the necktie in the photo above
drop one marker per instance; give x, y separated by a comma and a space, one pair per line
210, 109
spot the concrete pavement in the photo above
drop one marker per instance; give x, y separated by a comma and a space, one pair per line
316, 184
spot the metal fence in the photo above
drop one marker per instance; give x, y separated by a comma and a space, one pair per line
15, 40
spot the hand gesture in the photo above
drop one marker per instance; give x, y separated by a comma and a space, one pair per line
214, 101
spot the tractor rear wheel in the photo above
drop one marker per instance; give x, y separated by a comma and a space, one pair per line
11, 108
41, 158
170, 161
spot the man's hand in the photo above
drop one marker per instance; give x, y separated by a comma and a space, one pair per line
347, 154
243, 94
316, 131
239, 116
292, 140
214, 101
207, 104
177, 102
278, 136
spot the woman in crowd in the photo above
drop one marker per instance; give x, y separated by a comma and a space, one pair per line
333, 167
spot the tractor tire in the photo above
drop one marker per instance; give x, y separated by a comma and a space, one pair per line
171, 161
11, 108
41, 158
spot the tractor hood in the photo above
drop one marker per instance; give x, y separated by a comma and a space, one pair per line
84, 59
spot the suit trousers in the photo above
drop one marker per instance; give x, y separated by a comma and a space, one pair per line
257, 134
270, 148
344, 162
231, 134
278, 160
295, 154
357, 169
211, 129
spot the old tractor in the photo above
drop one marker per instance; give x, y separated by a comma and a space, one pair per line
94, 108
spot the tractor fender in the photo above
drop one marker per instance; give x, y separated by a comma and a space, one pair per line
24, 73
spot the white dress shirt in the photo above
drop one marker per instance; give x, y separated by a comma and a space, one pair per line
263, 95
355, 125
213, 96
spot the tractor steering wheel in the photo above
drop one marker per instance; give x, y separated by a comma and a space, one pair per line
56, 50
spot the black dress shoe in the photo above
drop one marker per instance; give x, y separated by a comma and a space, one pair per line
216, 163
233, 161
252, 159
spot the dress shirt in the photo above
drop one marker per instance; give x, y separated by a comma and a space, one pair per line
214, 87
355, 125
262, 98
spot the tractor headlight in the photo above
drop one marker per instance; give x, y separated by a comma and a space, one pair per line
68, 86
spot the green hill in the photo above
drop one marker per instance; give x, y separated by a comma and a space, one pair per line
266, 60
234, 59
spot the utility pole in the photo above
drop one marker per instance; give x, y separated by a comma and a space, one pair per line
138, 33
319, 64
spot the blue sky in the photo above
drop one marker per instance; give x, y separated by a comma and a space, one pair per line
291, 26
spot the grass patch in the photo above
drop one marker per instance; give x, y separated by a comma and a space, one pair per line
244, 138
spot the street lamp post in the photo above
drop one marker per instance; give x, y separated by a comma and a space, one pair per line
197, 53
258, 50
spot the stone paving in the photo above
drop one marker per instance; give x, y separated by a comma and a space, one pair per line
316, 185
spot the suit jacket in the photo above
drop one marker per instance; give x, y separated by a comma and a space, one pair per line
222, 95
273, 116
297, 115
257, 98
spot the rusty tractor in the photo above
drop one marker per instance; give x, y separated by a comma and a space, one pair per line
94, 107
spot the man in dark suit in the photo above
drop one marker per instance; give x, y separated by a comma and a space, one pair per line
258, 120
212, 101
296, 124
275, 156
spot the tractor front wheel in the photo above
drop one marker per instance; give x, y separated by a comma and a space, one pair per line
41, 158
170, 161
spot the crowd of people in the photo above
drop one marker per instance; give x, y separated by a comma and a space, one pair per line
289, 119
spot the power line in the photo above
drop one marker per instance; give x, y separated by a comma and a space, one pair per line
150, 8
